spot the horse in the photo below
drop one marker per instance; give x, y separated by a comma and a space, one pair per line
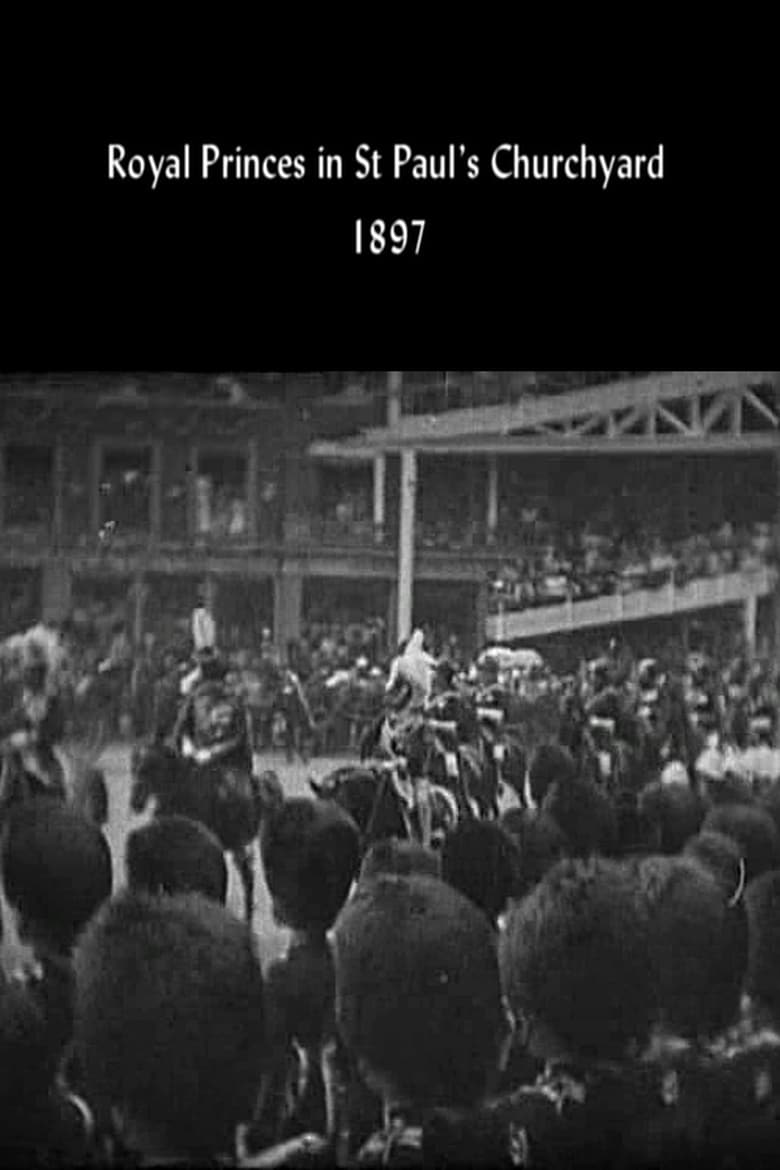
368, 795
453, 748
72, 778
227, 800
434, 750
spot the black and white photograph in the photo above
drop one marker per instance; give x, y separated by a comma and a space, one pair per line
390, 768
389, 759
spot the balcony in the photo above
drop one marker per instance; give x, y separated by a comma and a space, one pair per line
639, 605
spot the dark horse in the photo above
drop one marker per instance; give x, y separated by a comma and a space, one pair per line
227, 800
71, 778
369, 796
452, 751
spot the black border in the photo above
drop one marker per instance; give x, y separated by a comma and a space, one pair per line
248, 275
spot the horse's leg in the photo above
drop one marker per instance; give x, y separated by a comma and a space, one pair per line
424, 811
245, 864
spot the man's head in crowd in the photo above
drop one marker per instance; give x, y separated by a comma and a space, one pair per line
481, 860
722, 857
175, 855
671, 813
586, 816
402, 858
550, 763
753, 830
56, 868
541, 843
418, 994
698, 946
311, 856
574, 960
169, 1023
762, 899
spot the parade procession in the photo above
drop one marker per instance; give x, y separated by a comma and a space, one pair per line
390, 769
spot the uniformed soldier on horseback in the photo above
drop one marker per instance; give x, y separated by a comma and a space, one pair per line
213, 723
407, 692
35, 726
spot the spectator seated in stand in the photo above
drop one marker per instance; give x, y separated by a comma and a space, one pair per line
590, 565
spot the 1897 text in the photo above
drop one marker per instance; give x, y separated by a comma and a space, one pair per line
398, 236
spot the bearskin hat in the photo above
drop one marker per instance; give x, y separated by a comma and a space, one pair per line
418, 992
56, 867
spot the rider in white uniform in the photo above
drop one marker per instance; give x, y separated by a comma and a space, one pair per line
411, 678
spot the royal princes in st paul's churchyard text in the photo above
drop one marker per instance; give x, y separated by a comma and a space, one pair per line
506, 161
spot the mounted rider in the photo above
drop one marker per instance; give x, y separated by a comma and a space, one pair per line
35, 725
604, 714
409, 688
213, 722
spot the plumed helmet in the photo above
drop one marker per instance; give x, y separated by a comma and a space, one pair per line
648, 673
38, 647
415, 665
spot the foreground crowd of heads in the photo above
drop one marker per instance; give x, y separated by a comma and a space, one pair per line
578, 984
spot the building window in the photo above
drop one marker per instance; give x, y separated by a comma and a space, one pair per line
220, 497
29, 485
125, 490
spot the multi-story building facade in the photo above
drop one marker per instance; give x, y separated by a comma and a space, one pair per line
301, 497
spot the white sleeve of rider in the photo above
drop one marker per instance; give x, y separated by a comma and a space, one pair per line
394, 673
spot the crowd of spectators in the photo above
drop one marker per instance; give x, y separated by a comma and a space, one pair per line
568, 566
337, 645
569, 985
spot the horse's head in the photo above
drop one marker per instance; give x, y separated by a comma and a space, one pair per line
354, 789
151, 766
327, 787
